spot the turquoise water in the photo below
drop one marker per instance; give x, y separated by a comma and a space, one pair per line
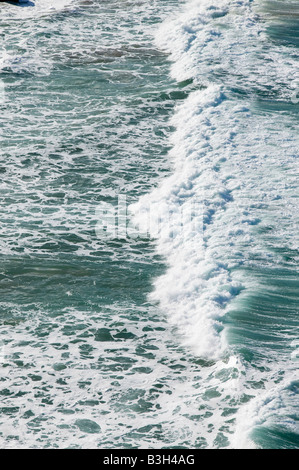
160, 340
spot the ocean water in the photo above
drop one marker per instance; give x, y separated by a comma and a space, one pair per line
182, 117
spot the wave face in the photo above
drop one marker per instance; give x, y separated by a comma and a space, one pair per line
231, 287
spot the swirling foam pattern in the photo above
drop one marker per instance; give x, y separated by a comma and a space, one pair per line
92, 354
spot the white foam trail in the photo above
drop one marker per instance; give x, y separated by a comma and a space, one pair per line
270, 408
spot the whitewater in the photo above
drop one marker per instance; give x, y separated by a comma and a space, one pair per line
235, 152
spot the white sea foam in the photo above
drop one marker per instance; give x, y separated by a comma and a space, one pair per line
32, 8
29, 57
271, 408
197, 285
222, 147
225, 41
236, 161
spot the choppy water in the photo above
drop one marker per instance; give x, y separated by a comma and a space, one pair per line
179, 338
